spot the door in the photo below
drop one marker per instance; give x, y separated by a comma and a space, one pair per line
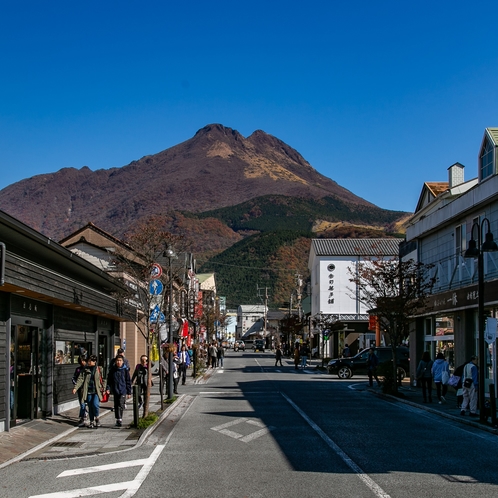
25, 370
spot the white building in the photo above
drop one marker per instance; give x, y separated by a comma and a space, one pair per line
250, 321
331, 262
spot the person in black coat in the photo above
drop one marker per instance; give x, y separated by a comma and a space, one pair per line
119, 384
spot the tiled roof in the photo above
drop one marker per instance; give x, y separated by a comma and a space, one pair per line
356, 247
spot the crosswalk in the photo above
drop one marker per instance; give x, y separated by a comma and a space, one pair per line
129, 487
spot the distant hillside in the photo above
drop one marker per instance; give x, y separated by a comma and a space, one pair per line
270, 259
277, 212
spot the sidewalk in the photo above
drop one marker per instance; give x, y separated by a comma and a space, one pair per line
59, 436
449, 408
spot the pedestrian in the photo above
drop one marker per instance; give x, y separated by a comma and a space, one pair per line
458, 373
119, 385
424, 376
176, 376
122, 353
184, 363
372, 363
220, 354
296, 356
213, 355
346, 352
82, 364
470, 384
441, 374
303, 354
141, 378
90, 379
278, 355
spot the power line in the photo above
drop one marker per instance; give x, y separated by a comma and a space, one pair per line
251, 267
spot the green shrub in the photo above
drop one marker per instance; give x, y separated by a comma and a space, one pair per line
145, 422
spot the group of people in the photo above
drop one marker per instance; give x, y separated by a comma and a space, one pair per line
301, 352
215, 355
181, 362
466, 381
91, 387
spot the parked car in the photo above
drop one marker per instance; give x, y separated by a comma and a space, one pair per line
239, 345
259, 345
345, 368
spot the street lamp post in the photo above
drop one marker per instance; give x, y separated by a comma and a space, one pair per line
170, 254
476, 250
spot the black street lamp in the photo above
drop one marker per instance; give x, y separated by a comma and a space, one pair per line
171, 255
476, 250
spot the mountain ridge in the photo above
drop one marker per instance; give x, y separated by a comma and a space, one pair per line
216, 168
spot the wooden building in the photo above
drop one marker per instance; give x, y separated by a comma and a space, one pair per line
54, 305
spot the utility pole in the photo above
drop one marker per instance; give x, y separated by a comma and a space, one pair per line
265, 312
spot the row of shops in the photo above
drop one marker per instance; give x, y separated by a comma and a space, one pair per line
54, 306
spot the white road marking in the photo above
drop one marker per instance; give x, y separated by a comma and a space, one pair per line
103, 468
131, 487
222, 429
369, 482
256, 434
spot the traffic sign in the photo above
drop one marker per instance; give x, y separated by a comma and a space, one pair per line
157, 315
155, 287
156, 270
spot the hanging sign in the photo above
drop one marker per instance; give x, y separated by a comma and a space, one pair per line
490, 331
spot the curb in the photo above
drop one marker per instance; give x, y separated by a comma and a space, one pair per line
147, 432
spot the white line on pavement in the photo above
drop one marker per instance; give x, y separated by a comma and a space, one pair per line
103, 468
229, 424
369, 482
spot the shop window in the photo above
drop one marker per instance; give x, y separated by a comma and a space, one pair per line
67, 352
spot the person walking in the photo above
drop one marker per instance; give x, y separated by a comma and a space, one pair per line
278, 356
470, 385
90, 379
424, 375
119, 385
122, 353
441, 375
141, 378
296, 356
372, 363
213, 355
303, 354
220, 354
82, 415
346, 352
184, 363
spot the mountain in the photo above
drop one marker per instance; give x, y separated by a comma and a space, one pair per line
216, 168
246, 207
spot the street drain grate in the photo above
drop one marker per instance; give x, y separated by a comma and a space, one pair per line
66, 444
460, 479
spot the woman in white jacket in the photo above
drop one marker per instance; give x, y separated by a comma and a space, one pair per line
440, 369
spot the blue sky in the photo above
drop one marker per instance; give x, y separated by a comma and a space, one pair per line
380, 96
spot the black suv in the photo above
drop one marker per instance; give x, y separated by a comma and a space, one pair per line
259, 345
345, 368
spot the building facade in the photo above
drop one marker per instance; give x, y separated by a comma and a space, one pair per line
439, 234
54, 306
332, 263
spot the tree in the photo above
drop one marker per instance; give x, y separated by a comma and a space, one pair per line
137, 265
393, 290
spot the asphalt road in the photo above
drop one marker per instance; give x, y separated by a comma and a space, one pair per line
256, 430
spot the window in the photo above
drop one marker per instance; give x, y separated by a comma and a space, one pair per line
460, 240
486, 159
67, 352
